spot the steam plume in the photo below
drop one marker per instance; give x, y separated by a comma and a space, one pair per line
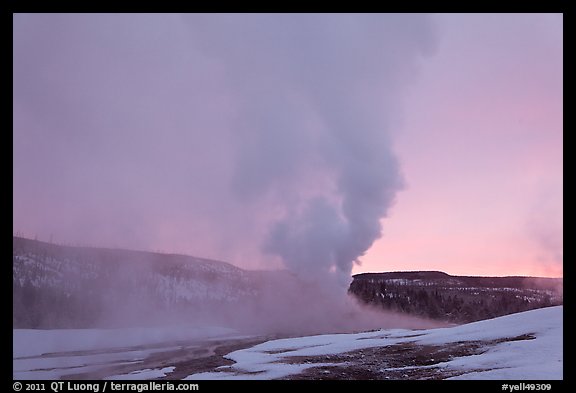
314, 124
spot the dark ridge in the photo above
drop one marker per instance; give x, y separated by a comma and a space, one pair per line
458, 299
476, 281
412, 275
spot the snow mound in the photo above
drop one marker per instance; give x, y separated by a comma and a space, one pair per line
537, 358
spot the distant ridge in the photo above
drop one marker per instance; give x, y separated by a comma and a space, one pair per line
411, 275
442, 296
478, 281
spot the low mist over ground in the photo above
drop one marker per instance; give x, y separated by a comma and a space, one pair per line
77, 287
74, 287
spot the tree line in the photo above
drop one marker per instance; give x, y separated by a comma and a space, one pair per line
453, 304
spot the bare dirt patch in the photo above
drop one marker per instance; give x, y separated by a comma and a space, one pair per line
400, 361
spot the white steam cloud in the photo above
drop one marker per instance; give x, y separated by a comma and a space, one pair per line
319, 94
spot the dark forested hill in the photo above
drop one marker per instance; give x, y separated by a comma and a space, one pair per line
455, 298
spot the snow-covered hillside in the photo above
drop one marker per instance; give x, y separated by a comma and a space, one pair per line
73, 287
526, 345
171, 277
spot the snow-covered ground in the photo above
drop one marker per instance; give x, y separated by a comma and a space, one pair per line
34, 342
526, 345
51, 354
540, 358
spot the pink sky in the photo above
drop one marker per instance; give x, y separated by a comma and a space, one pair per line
482, 153
150, 132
